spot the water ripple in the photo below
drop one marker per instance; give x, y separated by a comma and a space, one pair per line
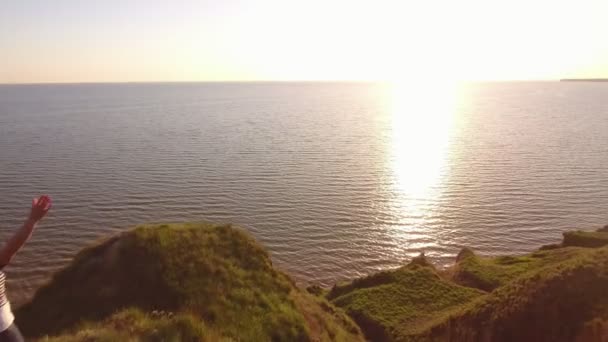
319, 173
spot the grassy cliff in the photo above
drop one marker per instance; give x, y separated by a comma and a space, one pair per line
204, 282
211, 281
490, 273
555, 294
550, 303
399, 302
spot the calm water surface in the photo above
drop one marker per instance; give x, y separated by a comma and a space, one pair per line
337, 180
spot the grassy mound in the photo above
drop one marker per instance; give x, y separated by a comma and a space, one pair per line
392, 304
217, 275
554, 294
203, 282
136, 326
580, 238
559, 302
490, 273
586, 239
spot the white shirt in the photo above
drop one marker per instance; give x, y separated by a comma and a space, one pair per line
6, 314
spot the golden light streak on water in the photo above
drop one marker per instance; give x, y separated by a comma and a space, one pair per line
422, 118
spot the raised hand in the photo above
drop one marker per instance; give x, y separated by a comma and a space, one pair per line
40, 206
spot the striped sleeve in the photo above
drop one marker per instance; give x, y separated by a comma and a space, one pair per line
3, 299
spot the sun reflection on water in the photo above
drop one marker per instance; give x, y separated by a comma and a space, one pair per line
422, 117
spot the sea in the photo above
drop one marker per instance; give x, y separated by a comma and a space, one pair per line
336, 179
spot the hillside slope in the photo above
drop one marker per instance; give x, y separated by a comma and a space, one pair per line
555, 294
552, 303
397, 303
212, 281
204, 282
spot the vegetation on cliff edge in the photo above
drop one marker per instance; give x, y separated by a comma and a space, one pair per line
490, 273
216, 275
564, 301
395, 303
557, 294
203, 282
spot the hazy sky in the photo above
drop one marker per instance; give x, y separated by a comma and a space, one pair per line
153, 40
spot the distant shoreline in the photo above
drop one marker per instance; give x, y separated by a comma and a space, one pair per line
584, 80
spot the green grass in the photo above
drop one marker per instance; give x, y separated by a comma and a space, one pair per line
554, 303
204, 282
586, 239
133, 325
490, 273
558, 294
216, 273
391, 304
326, 322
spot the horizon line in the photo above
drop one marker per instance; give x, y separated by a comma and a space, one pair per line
280, 81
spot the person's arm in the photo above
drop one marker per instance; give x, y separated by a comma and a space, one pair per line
40, 206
